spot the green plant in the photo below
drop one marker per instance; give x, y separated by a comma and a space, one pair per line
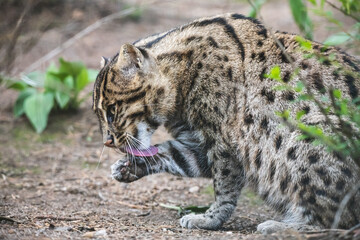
340, 130
56, 89
348, 37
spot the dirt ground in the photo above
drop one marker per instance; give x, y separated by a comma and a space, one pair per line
57, 185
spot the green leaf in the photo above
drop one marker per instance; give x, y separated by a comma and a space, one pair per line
336, 93
275, 73
337, 39
82, 80
35, 79
313, 2
299, 87
299, 114
70, 68
62, 99
92, 73
304, 44
37, 108
19, 104
257, 4
18, 85
299, 12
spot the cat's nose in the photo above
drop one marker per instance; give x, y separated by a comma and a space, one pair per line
110, 141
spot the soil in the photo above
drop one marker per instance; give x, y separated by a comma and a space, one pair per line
57, 185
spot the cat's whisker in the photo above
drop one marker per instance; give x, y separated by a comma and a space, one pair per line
102, 151
155, 160
133, 146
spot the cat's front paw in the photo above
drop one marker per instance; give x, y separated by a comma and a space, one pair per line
200, 221
121, 171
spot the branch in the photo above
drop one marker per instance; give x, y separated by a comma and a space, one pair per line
343, 204
9, 56
77, 36
344, 12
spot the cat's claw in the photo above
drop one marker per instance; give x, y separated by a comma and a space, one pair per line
200, 221
121, 171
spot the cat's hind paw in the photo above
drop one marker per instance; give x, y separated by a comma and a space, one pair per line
272, 226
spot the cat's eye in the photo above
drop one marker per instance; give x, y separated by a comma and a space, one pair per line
110, 113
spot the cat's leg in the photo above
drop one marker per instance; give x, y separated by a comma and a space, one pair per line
175, 157
228, 177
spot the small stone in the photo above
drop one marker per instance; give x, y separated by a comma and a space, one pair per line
194, 189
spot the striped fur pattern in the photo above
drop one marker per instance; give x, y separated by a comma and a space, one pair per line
205, 83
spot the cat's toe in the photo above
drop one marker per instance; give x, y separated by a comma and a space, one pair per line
271, 226
120, 171
200, 221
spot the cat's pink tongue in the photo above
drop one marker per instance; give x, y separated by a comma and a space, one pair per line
151, 151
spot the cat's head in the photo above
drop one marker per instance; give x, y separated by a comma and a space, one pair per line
131, 98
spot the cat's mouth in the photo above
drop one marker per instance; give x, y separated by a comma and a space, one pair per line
149, 152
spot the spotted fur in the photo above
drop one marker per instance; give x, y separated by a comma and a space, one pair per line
205, 83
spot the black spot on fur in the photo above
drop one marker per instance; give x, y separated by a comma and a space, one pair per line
262, 57
311, 200
225, 172
353, 91
199, 65
262, 32
304, 65
318, 82
226, 59
326, 62
230, 75
340, 185
160, 92
288, 95
272, 171
320, 192
253, 55
225, 154
258, 159
351, 63
313, 158
264, 125
240, 16
286, 77
248, 119
270, 95
291, 154
346, 171
306, 109
278, 141
336, 199
305, 180
259, 43
284, 183
144, 53
212, 42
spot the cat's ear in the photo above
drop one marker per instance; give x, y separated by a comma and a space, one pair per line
130, 59
103, 61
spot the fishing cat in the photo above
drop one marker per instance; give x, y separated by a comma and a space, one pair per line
206, 83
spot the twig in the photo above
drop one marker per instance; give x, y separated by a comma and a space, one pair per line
343, 204
132, 205
344, 12
3, 218
10, 55
77, 36
57, 218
